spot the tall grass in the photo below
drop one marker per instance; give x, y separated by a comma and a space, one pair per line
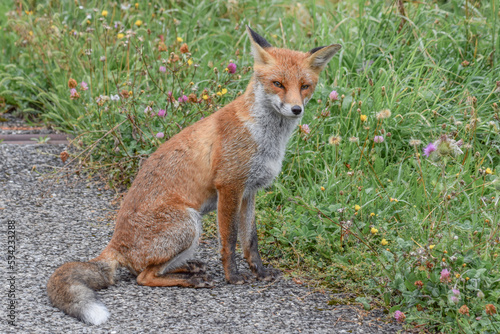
358, 205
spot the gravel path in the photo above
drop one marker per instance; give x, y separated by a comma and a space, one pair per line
70, 219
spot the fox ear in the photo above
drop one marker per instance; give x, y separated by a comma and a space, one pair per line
259, 46
320, 56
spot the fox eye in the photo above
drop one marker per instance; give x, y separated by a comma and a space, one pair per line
304, 87
278, 84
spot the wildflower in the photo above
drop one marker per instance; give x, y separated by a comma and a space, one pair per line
384, 242
74, 94
103, 58
419, 284
464, 310
490, 309
231, 67
357, 207
190, 62
125, 94
115, 97
322, 188
399, 316
353, 139
373, 230
163, 69
334, 140
192, 98
84, 86
429, 149
456, 292
334, 96
136, 5
445, 276
125, 6
138, 23
104, 13
162, 112
431, 246
179, 40
120, 36
224, 91
305, 128
64, 156
378, 139
205, 97
160, 135
372, 214
488, 171
480, 294
454, 299
182, 99
184, 48
72, 83
385, 113
415, 142
148, 109
363, 118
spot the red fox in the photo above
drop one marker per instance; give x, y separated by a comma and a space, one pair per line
218, 163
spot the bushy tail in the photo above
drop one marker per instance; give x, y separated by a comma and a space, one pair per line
72, 286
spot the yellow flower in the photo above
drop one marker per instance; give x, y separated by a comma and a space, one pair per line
322, 188
488, 171
384, 242
179, 39
28, 12
432, 246
136, 5
363, 118
190, 62
467, 278
457, 275
138, 23
130, 92
224, 91
205, 97
372, 214
30, 33
88, 21
219, 94
120, 36
374, 230
357, 207
104, 13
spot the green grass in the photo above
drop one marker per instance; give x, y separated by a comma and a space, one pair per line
373, 218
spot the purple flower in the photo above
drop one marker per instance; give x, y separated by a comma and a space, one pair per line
162, 112
399, 316
378, 139
160, 135
147, 109
454, 299
305, 128
429, 149
183, 99
84, 85
456, 292
334, 96
73, 94
231, 68
163, 69
445, 276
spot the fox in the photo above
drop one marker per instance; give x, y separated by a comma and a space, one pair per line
218, 163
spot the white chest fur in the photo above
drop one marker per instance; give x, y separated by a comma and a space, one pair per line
271, 132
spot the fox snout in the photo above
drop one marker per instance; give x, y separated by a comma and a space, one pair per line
297, 110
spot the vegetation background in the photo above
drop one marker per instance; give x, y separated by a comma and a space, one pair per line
363, 204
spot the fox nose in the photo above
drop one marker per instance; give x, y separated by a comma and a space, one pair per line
297, 110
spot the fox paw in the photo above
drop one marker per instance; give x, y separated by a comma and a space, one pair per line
204, 281
239, 278
196, 267
267, 274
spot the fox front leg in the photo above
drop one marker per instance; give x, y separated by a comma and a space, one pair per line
228, 215
249, 241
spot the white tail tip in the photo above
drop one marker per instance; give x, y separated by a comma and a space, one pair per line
95, 314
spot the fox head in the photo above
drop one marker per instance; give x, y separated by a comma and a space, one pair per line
287, 78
